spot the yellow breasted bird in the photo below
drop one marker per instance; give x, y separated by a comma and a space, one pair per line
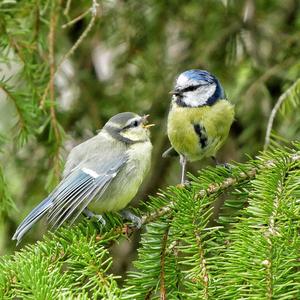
200, 117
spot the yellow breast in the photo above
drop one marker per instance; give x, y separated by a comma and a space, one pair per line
216, 121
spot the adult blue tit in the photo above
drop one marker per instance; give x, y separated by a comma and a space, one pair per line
200, 117
103, 173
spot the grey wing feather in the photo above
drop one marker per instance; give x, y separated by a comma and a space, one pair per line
36, 214
79, 153
80, 188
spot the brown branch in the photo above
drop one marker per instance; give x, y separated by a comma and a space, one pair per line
19, 111
205, 278
67, 8
265, 76
275, 109
36, 23
163, 295
216, 187
51, 41
54, 123
93, 11
14, 44
269, 234
75, 20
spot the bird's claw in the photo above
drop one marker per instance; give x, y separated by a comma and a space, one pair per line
184, 185
136, 221
224, 165
90, 215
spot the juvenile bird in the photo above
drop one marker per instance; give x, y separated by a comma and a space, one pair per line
103, 173
200, 117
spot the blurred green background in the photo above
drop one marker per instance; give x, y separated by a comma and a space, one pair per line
127, 59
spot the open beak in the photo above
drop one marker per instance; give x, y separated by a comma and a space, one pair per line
145, 121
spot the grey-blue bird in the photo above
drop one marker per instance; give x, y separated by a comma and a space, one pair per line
103, 174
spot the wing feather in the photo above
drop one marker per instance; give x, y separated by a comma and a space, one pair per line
80, 187
66, 193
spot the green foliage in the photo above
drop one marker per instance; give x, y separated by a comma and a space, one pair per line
65, 71
186, 250
70, 265
6, 202
232, 233
254, 258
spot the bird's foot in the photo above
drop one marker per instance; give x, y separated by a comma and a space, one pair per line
224, 165
183, 185
128, 215
89, 214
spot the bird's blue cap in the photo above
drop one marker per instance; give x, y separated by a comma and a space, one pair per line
191, 79
200, 75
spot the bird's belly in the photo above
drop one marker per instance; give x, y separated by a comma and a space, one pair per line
125, 185
186, 143
117, 195
199, 132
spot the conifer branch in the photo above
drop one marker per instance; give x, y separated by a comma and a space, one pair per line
67, 8
51, 40
21, 118
75, 20
275, 109
272, 231
93, 11
203, 266
163, 294
14, 45
267, 75
216, 187
54, 122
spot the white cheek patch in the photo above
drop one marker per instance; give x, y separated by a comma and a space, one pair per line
90, 172
200, 96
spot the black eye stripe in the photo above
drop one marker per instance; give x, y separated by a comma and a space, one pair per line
190, 88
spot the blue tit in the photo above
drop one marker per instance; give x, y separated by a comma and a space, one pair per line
103, 173
200, 117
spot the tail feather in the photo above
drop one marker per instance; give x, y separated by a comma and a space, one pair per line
34, 216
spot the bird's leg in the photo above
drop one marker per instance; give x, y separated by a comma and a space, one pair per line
128, 215
91, 215
183, 168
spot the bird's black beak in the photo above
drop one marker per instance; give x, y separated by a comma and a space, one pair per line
175, 92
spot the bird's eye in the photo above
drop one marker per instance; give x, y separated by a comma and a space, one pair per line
135, 123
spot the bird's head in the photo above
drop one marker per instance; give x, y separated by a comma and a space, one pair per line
129, 127
194, 88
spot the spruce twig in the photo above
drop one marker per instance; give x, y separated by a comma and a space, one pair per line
163, 295
93, 11
274, 111
214, 188
54, 123
15, 102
